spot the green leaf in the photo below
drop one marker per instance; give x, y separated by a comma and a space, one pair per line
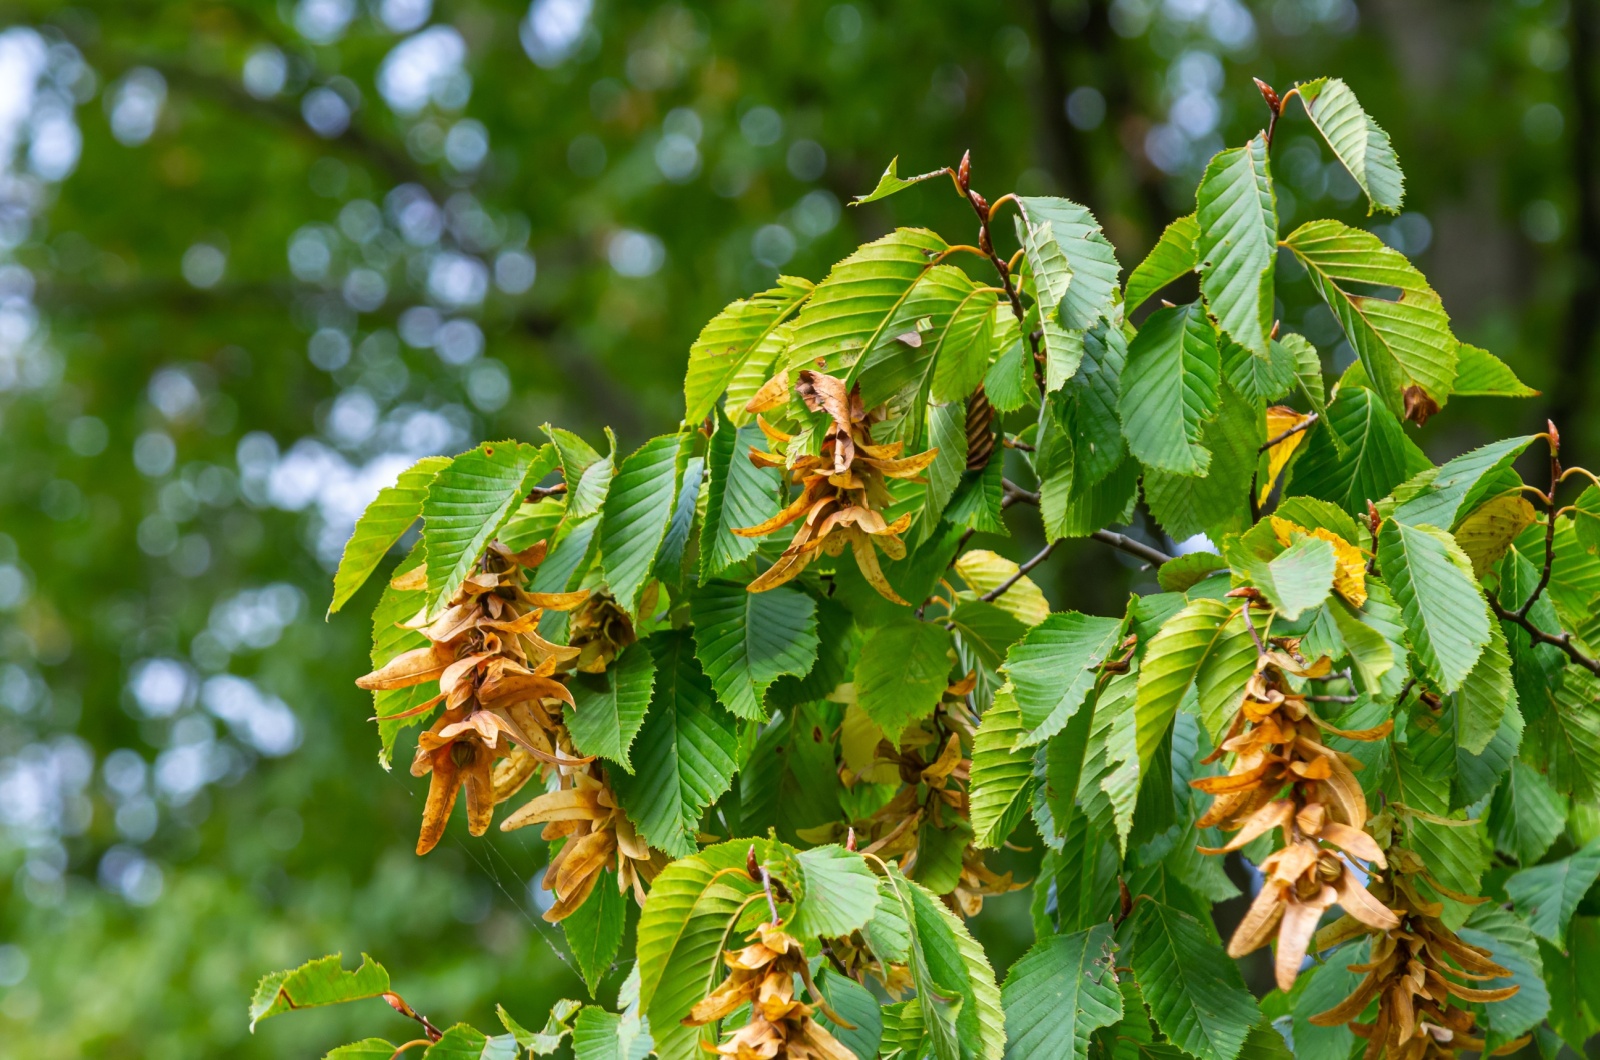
466, 505
365, 1049
1362, 456
1562, 739
1316, 514
1109, 788
601, 1035
388, 640
1486, 695
1195, 993
634, 518
1221, 682
1054, 667
1574, 988
315, 983
1445, 612
1001, 779
745, 641
682, 928
594, 929
856, 1005
1480, 373
1261, 379
892, 182
1548, 894
727, 341
1091, 402
669, 565
1173, 256
1327, 984
903, 670
1357, 141
906, 349
1460, 485
1238, 243
963, 348
838, 893
1403, 341
463, 1042
1455, 851
947, 432
1169, 388
791, 777
987, 630
847, 313
741, 494
1171, 662
1009, 381
576, 457
961, 1003
1051, 275
1527, 815
1093, 260
1307, 369
1059, 993
388, 517
611, 705
1182, 573
1586, 519
1219, 502
1298, 579
549, 1038
1370, 653
687, 750
1512, 946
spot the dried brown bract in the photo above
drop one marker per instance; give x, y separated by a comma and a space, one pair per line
1417, 973
762, 975
842, 490
584, 811
497, 682
600, 629
1283, 777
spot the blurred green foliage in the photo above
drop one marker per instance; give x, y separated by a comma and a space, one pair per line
255, 257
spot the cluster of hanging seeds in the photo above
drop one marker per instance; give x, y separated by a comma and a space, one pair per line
1284, 777
502, 686
842, 489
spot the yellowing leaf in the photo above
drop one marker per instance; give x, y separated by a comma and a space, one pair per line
985, 571
1349, 562
1280, 418
1486, 533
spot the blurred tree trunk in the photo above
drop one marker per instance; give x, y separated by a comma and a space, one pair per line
1570, 390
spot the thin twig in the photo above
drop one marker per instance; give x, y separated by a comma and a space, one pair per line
1290, 433
1124, 543
1539, 636
766, 885
985, 214
998, 591
1015, 494
539, 493
1333, 699
1249, 623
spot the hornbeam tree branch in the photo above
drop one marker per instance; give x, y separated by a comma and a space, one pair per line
1015, 494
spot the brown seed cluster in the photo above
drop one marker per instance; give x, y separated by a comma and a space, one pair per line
1413, 972
1284, 777
762, 975
842, 489
584, 811
502, 686
497, 682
